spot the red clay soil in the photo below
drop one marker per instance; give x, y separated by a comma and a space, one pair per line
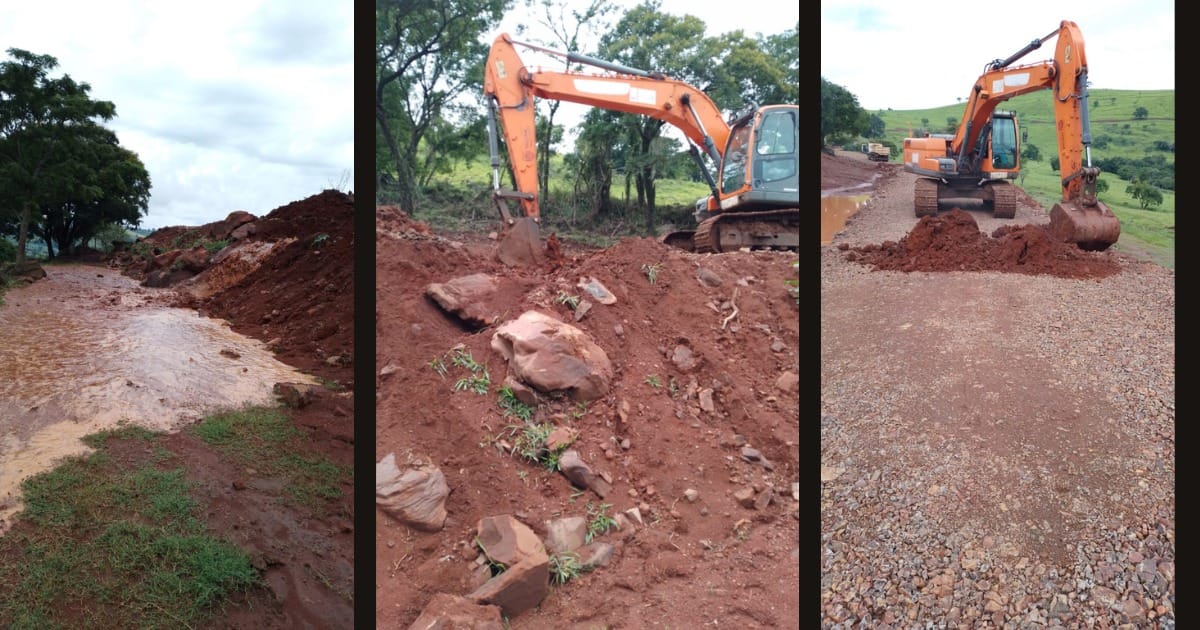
300, 298
952, 241
711, 561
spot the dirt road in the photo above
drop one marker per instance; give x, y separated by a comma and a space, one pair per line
994, 446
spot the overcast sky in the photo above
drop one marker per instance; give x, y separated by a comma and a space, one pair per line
771, 17
231, 105
906, 55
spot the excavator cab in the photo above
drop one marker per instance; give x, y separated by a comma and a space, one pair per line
756, 194
1005, 150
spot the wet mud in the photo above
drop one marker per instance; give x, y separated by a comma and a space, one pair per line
86, 349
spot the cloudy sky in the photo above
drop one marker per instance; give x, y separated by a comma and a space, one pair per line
770, 17
231, 105
920, 55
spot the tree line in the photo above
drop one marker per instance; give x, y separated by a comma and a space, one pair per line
64, 176
430, 109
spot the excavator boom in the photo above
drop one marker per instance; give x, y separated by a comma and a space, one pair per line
758, 176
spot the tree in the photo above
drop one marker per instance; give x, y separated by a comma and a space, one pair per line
840, 113
1140, 113
566, 31
597, 151
1031, 152
1148, 195
40, 118
108, 185
426, 55
876, 127
648, 39
1054, 163
951, 124
756, 69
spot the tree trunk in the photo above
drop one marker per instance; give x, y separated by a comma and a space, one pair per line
404, 181
23, 233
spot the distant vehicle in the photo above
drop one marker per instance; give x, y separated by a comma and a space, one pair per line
876, 152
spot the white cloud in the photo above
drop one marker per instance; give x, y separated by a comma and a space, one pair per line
231, 105
915, 56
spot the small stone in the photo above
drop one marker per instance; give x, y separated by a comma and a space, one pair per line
745, 497
691, 494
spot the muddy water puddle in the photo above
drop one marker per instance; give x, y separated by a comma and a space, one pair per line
86, 349
835, 211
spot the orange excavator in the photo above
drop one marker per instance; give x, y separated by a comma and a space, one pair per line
981, 157
755, 200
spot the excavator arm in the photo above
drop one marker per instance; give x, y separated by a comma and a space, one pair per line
1066, 76
511, 87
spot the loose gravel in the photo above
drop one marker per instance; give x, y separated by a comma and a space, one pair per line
997, 449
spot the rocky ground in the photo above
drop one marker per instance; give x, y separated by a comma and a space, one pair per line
997, 438
683, 428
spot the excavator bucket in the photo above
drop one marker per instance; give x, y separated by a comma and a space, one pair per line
521, 244
1090, 227
680, 239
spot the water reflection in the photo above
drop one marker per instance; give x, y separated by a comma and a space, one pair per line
835, 211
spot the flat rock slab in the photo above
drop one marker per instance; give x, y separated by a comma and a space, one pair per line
506, 540
453, 612
466, 297
519, 588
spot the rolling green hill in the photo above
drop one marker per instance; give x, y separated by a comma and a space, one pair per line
1115, 133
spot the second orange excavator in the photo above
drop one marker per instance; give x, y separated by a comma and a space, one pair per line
755, 200
980, 158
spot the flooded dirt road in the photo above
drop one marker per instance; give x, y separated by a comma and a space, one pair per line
87, 348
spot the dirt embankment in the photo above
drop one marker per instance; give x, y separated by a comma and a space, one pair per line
997, 429
705, 374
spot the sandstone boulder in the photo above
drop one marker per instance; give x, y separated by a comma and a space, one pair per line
415, 494
551, 355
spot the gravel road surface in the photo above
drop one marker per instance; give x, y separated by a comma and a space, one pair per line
997, 449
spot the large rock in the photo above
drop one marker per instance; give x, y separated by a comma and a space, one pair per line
506, 540
551, 355
452, 612
566, 534
415, 495
221, 230
519, 588
466, 297
195, 259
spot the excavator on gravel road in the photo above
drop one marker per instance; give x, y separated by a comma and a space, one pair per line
755, 200
980, 158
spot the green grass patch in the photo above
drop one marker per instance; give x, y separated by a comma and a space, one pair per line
266, 440
115, 545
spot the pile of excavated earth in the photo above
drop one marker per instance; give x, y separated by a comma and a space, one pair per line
606, 437
285, 278
953, 242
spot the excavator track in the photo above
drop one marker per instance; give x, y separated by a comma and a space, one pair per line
1004, 200
925, 197
771, 229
